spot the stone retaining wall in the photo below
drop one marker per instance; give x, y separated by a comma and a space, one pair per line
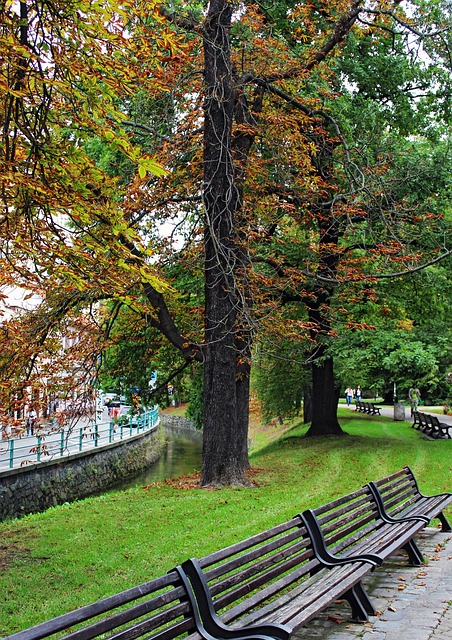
37, 487
176, 422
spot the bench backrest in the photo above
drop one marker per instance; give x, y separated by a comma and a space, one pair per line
256, 570
438, 426
348, 520
156, 610
399, 491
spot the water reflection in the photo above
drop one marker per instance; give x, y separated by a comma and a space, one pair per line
181, 456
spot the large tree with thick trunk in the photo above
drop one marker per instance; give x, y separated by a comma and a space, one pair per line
224, 433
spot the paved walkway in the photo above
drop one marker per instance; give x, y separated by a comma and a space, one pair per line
413, 603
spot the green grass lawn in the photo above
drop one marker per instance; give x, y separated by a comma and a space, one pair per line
78, 553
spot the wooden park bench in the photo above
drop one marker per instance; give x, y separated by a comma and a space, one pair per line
262, 580
417, 420
146, 609
161, 609
267, 586
439, 429
373, 409
367, 407
421, 422
264, 587
401, 498
430, 425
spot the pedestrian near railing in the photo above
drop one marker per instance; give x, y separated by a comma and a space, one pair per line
19, 452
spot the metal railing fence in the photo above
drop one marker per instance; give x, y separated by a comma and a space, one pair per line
26, 450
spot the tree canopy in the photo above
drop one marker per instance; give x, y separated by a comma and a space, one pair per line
274, 142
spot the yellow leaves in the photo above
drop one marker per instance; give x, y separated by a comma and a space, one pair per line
406, 324
146, 165
150, 278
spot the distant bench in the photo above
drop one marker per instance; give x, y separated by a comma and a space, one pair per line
430, 425
367, 407
271, 584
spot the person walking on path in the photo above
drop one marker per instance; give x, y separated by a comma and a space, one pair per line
415, 396
31, 421
349, 395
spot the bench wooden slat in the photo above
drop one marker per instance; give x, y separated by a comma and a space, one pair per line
231, 560
266, 595
139, 630
243, 587
253, 541
301, 604
132, 614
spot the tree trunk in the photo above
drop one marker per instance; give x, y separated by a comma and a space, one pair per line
224, 441
221, 458
243, 404
307, 404
325, 398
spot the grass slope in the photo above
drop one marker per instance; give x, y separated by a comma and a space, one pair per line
77, 553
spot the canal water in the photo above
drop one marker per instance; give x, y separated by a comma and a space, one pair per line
181, 457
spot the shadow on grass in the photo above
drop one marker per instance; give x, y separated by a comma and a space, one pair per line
360, 432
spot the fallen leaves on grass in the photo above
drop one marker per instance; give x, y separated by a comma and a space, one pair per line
192, 481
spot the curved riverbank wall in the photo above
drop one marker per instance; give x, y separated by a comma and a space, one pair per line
37, 487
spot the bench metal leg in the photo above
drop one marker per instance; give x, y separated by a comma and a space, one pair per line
364, 599
414, 554
360, 611
445, 524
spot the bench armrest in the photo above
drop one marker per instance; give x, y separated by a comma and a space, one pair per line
321, 551
208, 623
383, 513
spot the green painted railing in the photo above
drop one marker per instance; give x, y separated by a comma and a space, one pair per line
18, 452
